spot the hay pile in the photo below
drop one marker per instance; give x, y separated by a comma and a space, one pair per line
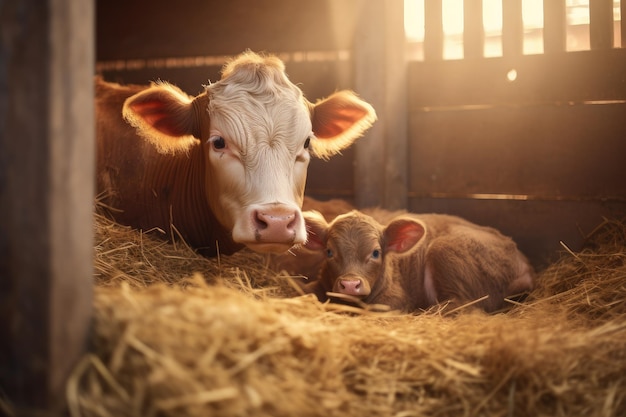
180, 335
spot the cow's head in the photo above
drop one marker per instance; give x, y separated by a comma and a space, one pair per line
356, 246
257, 133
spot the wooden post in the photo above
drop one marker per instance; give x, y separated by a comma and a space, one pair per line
433, 30
46, 198
554, 26
622, 10
512, 28
473, 32
601, 24
380, 78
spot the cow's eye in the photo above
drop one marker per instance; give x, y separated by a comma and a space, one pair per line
329, 253
219, 142
376, 254
307, 142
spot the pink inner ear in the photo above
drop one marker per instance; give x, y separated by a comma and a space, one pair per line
334, 122
402, 235
161, 115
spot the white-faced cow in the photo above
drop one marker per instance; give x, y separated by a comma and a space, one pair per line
416, 261
226, 168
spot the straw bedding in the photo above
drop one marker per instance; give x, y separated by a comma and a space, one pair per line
179, 335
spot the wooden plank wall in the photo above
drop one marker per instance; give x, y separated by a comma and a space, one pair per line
540, 157
46, 199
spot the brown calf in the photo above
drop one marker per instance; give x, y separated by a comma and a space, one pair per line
416, 261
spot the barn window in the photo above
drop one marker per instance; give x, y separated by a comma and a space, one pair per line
447, 20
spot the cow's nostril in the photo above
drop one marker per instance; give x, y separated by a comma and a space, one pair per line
259, 221
292, 224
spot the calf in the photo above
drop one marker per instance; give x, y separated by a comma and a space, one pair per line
416, 261
226, 168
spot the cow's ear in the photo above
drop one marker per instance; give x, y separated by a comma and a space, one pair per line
316, 227
338, 121
402, 234
163, 115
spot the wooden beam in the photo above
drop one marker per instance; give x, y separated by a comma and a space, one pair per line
541, 79
473, 32
554, 26
380, 78
46, 197
601, 24
622, 8
512, 28
433, 30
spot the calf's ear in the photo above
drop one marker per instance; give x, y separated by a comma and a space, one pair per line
338, 121
316, 227
402, 234
164, 116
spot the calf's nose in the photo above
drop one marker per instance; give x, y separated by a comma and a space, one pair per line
350, 287
276, 224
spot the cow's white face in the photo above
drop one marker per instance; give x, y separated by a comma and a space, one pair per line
257, 158
257, 132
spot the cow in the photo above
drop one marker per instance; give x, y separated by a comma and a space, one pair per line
225, 169
415, 261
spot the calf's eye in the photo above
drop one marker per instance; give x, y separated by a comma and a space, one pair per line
219, 142
329, 253
376, 253
307, 142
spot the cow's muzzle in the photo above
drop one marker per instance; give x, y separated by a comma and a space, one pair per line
272, 228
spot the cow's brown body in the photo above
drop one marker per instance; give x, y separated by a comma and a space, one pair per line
416, 261
224, 169
147, 188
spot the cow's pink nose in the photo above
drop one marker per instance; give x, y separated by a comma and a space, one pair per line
278, 225
350, 286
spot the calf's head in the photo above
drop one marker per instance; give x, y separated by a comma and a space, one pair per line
257, 133
356, 249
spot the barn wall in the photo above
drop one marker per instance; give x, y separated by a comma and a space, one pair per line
539, 157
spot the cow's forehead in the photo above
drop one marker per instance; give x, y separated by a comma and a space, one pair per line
278, 114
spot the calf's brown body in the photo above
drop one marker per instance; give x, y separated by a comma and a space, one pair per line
416, 261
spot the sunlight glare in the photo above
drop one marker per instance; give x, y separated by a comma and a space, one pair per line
532, 17
414, 20
452, 11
